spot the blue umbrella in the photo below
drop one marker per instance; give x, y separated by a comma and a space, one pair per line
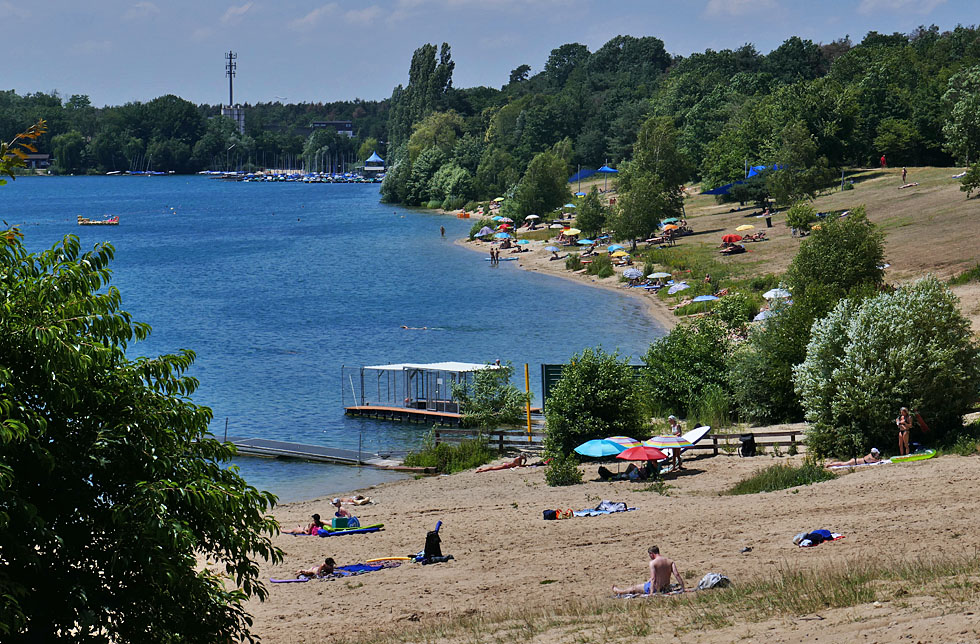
579, 194
600, 447
523, 241
677, 287
763, 315
502, 236
496, 218
704, 298
569, 205
632, 273
606, 169
615, 247
585, 242
552, 249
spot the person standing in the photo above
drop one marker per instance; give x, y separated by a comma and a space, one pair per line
660, 570
883, 164
904, 422
442, 230
905, 174
675, 453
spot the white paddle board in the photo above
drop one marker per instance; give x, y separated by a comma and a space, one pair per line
691, 437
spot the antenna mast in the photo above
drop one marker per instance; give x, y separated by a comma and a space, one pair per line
230, 67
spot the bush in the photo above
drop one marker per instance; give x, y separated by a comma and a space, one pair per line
491, 400
711, 407
971, 180
684, 363
735, 310
596, 397
562, 470
801, 215
601, 266
781, 477
449, 458
573, 262
478, 225
866, 360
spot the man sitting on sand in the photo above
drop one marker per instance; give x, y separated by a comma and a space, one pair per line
873, 457
660, 570
517, 462
323, 570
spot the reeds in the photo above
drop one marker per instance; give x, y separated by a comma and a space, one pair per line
781, 477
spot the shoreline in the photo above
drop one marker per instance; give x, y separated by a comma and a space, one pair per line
656, 310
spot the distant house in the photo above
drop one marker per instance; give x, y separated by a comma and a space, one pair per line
38, 161
344, 128
374, 165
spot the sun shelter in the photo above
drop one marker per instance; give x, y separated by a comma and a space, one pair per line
410, 386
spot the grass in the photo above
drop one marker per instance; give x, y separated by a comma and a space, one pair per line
972, 275
784, 592
448, 458
781, 477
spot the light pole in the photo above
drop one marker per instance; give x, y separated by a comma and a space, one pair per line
227, 153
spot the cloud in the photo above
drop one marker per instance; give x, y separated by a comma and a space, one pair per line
363, 16
202, 34
234, 14
720, 8
87, 47
141, 10
7, 10
914, 6
310, 20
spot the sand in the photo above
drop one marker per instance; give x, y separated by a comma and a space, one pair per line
504, 550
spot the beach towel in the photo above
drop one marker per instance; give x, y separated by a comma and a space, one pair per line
713, 580
349, 570
815, 538
604, 507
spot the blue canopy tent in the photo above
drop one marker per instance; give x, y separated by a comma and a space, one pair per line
606, 170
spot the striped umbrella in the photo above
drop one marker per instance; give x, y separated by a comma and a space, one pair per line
668, 442
625, 441
632, 273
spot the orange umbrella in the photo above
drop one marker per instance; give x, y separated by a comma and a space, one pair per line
731, 238
671, 227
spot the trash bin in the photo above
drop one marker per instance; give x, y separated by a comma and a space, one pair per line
748, 445
768, 221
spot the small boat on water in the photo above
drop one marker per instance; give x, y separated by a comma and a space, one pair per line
108, 221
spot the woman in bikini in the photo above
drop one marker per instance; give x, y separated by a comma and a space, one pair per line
310, 529
904, 422
873, 457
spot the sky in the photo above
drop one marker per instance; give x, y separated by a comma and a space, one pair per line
117, 51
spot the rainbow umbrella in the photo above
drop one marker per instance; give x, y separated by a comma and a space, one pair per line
625, 441
668, 442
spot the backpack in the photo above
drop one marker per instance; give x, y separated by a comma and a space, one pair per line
748, 445
432, 545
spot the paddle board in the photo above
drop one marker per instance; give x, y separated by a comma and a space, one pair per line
329, 532
290, 581
376, 559
917, 455
502, 259
691, 437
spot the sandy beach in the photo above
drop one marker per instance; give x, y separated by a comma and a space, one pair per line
507, 558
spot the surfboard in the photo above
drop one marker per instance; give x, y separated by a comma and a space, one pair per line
503, 259
290, 581
917, 455
330, 532
691, 437
376, 559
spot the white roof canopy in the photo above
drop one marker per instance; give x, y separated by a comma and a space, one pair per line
455, 367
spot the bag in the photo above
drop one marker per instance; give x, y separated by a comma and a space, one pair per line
550, 515
432, 545
713, 580
748, 445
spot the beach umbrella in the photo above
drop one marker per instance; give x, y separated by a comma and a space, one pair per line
499, 199
523, 241
501, 235
496, 218
632, 273
506, 220
569, 205
671, 227
615, 247
486, 230
620, 253
776, 293
671, 220
677, 287
552, 249
585, 242
556, 226
657, 276
668, 442
745, 227
642, 453
573, 231
607, 170
532, 217
884, 266
625, 441
704, 298
763, 315
599, 447
504, 227
731, 238
579, 194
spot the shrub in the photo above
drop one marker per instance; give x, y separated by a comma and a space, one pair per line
971, 180
801, 215
781, 477
562, 470
684, 363
865, 360
711, 407
601, 266
477, 225
595, 397
491, 400
449, 458
433, 204
735, 310
573, 262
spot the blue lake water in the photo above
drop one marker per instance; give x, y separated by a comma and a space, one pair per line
276, 286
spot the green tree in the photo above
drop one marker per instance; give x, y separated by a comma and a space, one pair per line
121, 520
971, 180
591, 214
367, 147
563, 61
596, 397
492, 400
68, 151
801, 215
898, 139
544, 185
865, 360
497, 173
519, 74
962, 104
803, 172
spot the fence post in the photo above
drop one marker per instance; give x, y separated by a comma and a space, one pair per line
714, 439
437, 437
792, 440
500, 437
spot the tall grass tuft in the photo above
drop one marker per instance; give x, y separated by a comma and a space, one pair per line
781, 477
448, 458
711, 407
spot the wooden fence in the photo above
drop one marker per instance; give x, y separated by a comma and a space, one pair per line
501, 439
729, 443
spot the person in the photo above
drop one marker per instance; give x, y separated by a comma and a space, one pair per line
874, 456
883, 164
707, 278
341, 512
323, 570
555, 253
442, 230
675, 430
310, 529
660, 570
520, 461
905, 174
904, 422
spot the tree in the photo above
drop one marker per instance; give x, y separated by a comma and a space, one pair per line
497, 172
492, 400
801, 215
519, 75
684, 363
865, 360
544, 186
591, 215
642, 206
68, 150
114, 494
898, 139
971, 180
802, 172
962, 104
563, 61
14, 153
595, 397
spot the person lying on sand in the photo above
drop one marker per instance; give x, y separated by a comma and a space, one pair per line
660, 570
873, 457
517, 462
310, 529
324, 569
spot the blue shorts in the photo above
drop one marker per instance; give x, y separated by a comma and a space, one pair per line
646, 588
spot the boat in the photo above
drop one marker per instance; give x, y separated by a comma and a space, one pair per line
108, 221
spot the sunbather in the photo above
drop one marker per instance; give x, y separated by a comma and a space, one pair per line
310, 529
324, 569
517, 462
660, 570
872, 457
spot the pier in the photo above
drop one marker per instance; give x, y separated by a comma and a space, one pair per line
266, 448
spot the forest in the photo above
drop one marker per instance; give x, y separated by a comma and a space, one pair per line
914, 98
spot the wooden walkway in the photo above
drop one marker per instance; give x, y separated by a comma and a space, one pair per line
266, 448
404, 414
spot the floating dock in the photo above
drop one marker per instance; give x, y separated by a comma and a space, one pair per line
405, 414
267, 448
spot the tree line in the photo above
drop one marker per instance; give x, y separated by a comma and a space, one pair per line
169, 133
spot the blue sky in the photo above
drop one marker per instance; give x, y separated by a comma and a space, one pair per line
296, 50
